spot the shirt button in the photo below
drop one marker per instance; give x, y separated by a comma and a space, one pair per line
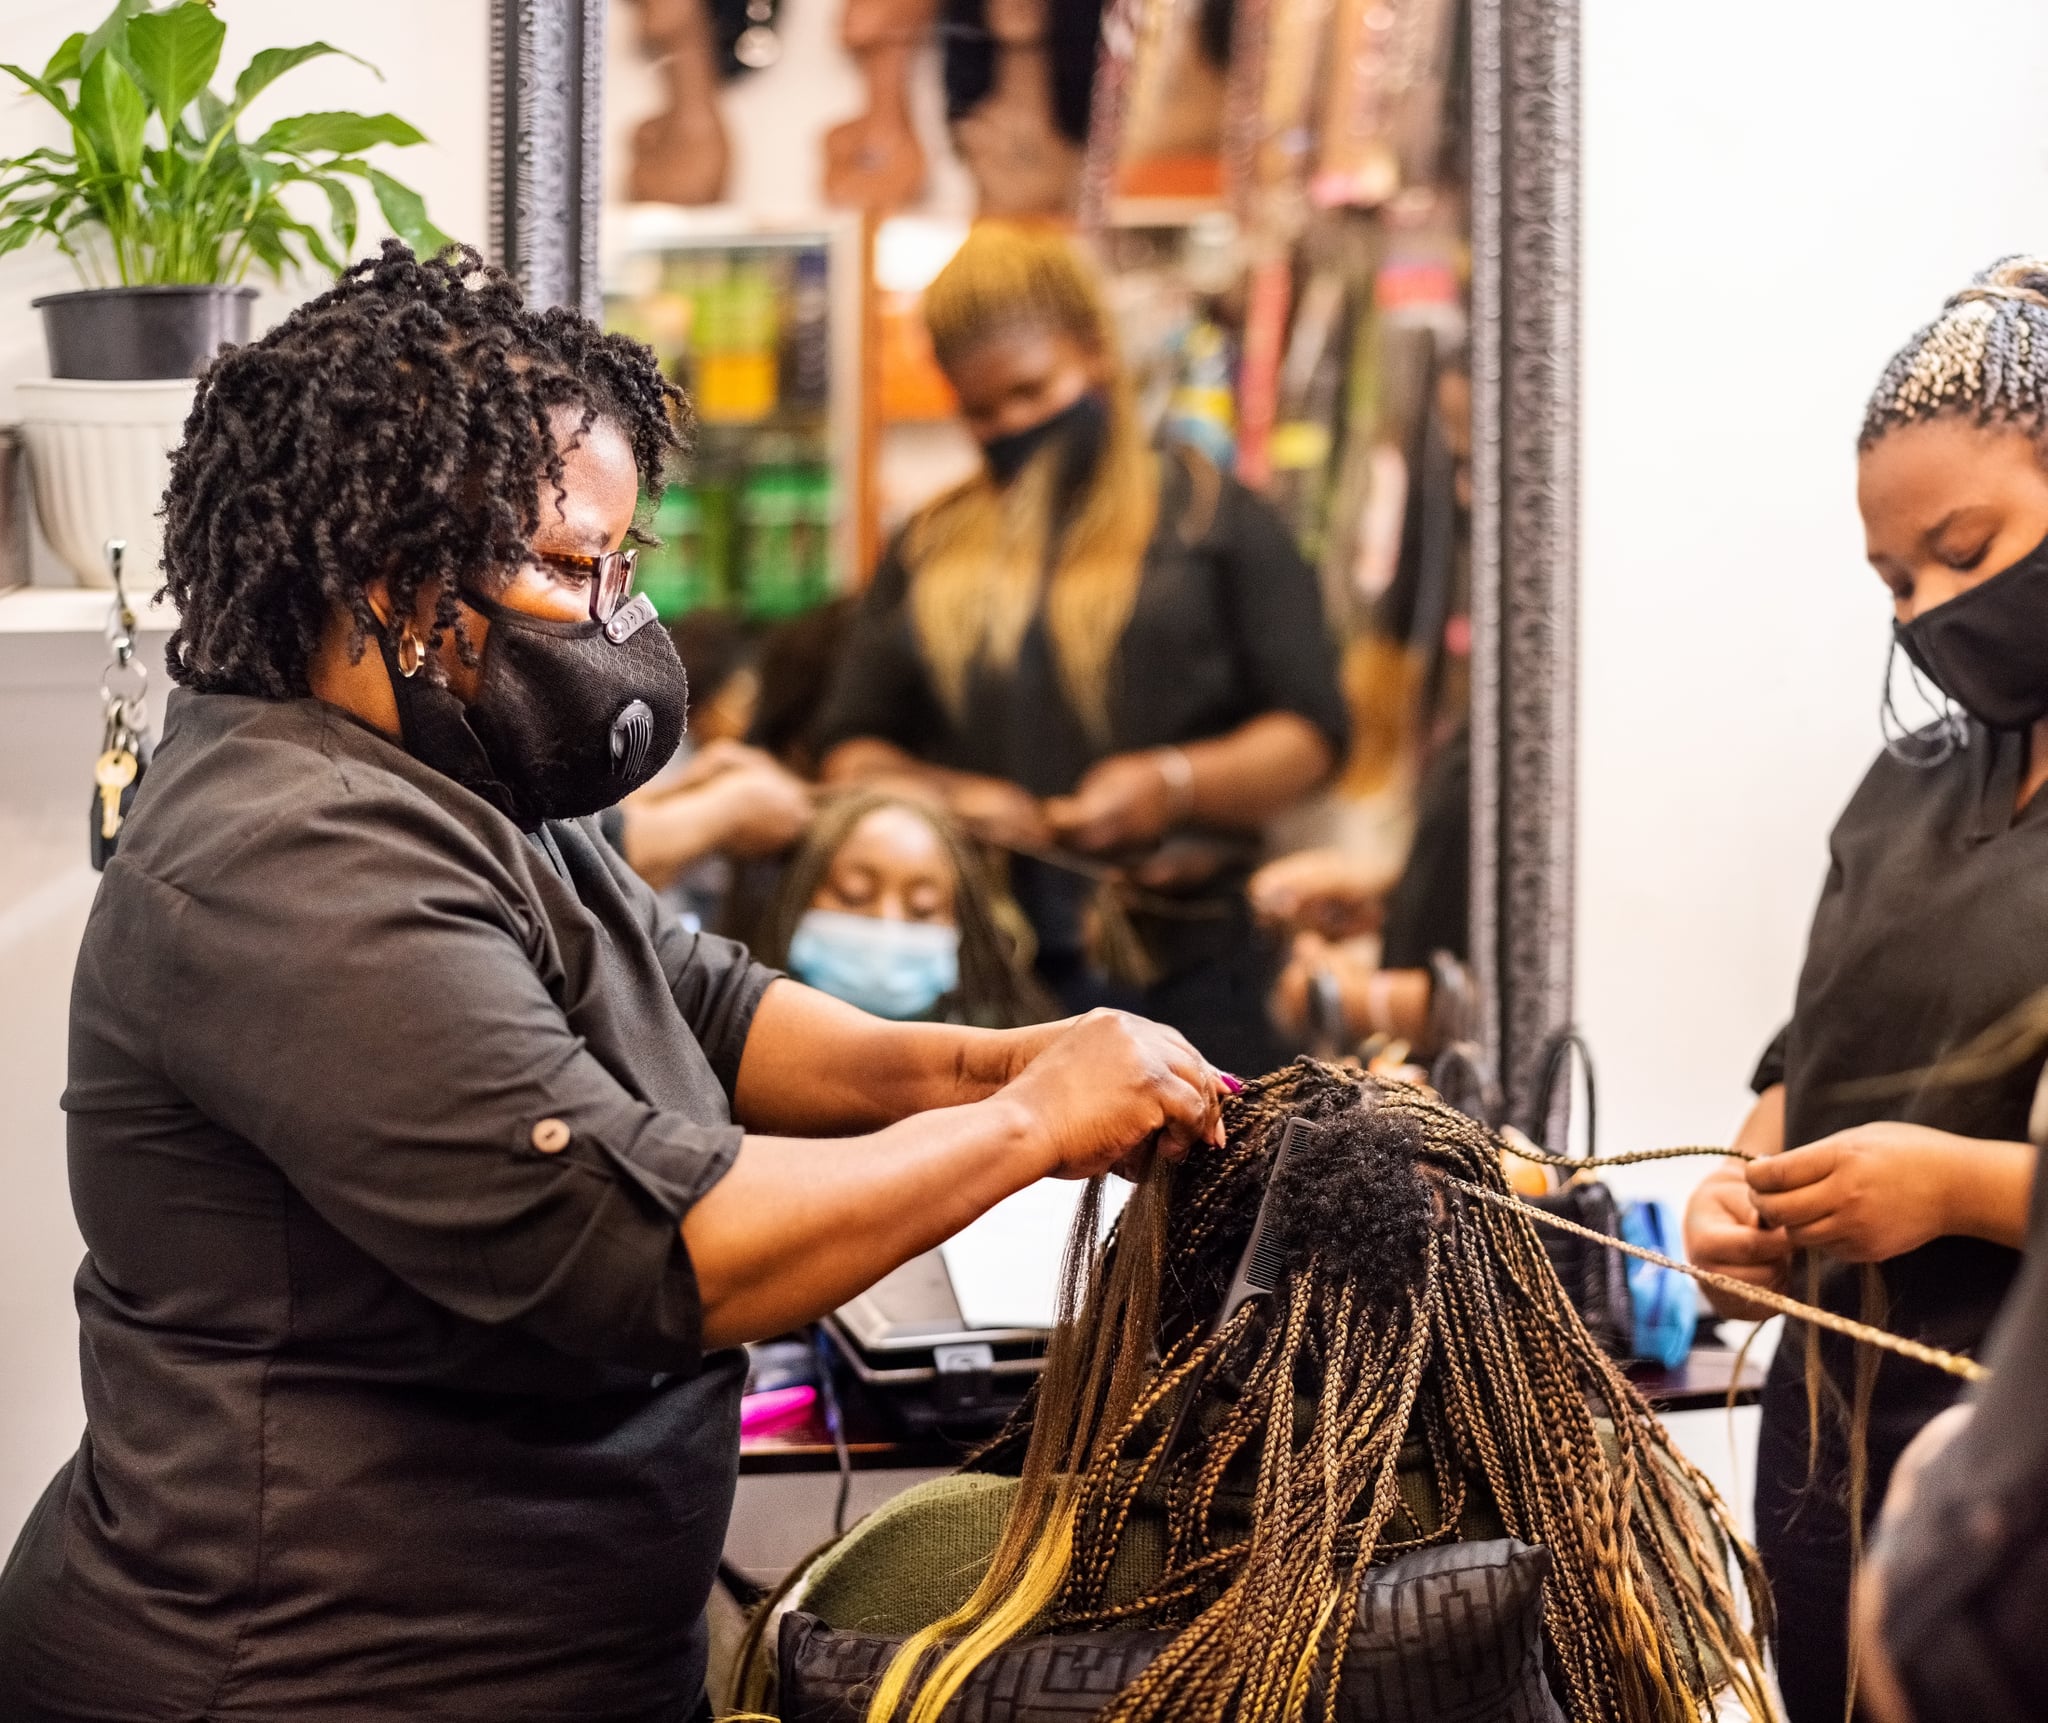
550, 1136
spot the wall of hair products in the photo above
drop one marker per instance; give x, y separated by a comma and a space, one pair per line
620, 620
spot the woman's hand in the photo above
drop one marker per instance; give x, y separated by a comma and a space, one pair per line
1876, 1191
729, 797
761, 808
1320, 891
998, 812
1108, 1086
1124, 802
1724, 1234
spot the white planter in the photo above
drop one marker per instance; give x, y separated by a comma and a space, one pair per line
99, 458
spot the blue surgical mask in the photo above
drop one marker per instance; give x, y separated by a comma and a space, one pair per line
898, 969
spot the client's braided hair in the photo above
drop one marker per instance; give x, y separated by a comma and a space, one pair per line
1413, 1313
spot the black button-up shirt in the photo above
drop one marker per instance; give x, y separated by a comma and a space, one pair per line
383, 1117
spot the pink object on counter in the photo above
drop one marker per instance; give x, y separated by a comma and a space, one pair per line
777, 1410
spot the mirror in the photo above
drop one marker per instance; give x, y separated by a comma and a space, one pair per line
1392, 261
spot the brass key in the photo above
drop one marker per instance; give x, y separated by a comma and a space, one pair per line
114, 771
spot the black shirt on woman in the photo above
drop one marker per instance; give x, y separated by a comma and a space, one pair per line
1227, 625
383, 1117
1933, 924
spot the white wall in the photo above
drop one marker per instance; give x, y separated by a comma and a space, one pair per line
433, 54
1776, 195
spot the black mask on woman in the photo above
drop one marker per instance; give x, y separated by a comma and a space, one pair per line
1987, 649
1082, 425
570, 717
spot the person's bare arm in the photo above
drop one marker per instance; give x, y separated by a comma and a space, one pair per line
993, 809
1722, 1230
732, 798
1236, 783
816, 1066
795, 1228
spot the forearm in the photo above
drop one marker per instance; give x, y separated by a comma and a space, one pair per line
663, 836
814, 1065
1262, 768
796, 1228
1991, 1191
1763, 1131
869, 760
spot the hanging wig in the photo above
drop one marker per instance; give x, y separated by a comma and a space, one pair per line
1419, 1377
984, 557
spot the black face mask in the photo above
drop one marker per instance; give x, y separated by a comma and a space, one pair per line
1987, 649
1083, 426
570, 716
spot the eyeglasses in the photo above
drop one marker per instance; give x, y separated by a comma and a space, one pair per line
610, 577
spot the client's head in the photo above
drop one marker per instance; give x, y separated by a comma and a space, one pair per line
886, 906
1418, 1377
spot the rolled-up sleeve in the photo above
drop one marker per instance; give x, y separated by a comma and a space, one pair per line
364, 1005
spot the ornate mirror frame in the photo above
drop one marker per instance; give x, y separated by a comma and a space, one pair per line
547, 92
547, 113
1525, 438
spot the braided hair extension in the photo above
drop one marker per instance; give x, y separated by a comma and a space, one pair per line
396, 426
1417, 1328
1984, 358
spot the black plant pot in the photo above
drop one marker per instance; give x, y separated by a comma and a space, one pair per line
127, 334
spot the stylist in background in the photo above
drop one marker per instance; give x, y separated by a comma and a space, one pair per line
429, 1175
1932, 926
1096, 647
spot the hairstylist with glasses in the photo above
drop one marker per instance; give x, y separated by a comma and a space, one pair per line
428, 1176
1910, 1187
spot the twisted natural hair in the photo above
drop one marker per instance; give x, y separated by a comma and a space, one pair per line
1418, 1312
396, 426
1984, 358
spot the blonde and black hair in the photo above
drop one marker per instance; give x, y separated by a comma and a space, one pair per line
984, 556
1985, 358
1420, 1350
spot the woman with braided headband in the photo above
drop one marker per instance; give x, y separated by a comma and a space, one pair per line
1419, 1377
1908, 1198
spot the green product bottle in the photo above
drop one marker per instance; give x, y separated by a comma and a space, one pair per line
718, 536
813, 504
774, 582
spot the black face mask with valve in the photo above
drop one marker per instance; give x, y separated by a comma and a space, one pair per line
1081, 428
569, 717
1987, 649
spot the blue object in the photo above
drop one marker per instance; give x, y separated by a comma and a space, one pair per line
1667, 1308
898, 969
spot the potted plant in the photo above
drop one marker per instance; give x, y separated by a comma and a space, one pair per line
165, 208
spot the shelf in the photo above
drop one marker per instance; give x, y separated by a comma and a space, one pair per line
72, 610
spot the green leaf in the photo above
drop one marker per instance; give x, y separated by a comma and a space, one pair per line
270, 65
111, 113
111, 35
213, 113
67, 62
175, 53
341, 211
406, 211
48, 91
344, 132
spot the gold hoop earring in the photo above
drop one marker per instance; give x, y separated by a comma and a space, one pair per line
411, 654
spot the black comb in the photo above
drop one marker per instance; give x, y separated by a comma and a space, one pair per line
1258, 1269
1265, 1252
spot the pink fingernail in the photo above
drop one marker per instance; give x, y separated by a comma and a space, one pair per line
1234, 1084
